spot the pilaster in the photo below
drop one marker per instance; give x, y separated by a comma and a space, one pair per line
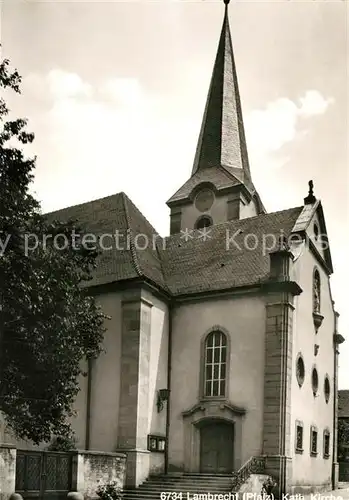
134, 389
280, 293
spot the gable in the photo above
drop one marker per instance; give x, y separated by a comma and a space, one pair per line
311, 224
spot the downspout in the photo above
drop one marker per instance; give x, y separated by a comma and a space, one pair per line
336, 342
335, 396
88, 405
169, 365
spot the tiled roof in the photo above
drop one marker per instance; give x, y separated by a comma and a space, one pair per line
222, 136
217, 176
343, 404
173, 264
223, 260
111, 215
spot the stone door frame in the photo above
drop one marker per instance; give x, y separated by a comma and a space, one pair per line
204, 413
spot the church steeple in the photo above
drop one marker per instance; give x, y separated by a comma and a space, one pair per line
222, 140
220, 188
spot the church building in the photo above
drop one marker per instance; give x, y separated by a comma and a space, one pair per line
221, 351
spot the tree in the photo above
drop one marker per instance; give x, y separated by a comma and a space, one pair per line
343, 439
48, 321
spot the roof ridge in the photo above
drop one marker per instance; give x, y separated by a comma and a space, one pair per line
85, 203
141, 213
129, 231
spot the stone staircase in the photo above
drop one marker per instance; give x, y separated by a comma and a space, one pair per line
180, 483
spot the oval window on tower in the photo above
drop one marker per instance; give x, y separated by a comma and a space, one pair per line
204, 200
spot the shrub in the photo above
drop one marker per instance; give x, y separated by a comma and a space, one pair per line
62, 443
109, 492
268, 486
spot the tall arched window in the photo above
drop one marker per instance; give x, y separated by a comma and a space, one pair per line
316, 292
215, 364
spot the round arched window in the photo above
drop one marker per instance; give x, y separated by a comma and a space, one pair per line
300, 370
327, 389
203, 222
314, 381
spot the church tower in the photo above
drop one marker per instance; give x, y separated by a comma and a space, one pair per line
220, 187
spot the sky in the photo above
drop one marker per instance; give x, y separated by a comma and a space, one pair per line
115, 93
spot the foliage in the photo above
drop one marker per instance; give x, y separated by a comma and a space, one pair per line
268, 486
343, 438
48, 322
109, 492
63, 443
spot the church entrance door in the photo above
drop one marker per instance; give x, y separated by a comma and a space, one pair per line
216, 447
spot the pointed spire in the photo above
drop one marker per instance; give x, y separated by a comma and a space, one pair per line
222, 140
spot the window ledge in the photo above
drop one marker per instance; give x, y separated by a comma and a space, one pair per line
313, 453
299, 450
213, 398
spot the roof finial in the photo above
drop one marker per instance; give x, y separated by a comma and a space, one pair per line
310, 199
226, 2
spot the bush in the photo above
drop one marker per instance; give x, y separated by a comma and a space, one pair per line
62, 443
268, 486
109, 492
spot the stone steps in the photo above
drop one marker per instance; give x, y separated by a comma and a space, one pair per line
187, 484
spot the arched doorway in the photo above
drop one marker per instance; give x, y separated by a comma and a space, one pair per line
217, 447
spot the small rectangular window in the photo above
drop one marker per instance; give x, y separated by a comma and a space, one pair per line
299, 438
326, 444
313, 441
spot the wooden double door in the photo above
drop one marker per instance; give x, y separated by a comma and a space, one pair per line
217, 447
43, 475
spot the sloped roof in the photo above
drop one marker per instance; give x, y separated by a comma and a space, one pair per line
173, 264
223, 260
112, 215
216, 176
343, 403
222, 139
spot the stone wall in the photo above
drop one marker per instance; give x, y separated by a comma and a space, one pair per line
92, 469
7, 471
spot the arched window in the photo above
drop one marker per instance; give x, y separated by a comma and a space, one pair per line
316, 292
215, 365
202, 222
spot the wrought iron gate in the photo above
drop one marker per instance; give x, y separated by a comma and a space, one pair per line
43, 474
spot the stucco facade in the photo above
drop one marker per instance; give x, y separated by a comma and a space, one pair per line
215, 331
242, 319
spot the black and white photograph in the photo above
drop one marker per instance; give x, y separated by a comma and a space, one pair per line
174, 234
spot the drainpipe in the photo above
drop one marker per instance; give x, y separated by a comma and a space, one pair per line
335, 396
336, 341
169, 365
88, 404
